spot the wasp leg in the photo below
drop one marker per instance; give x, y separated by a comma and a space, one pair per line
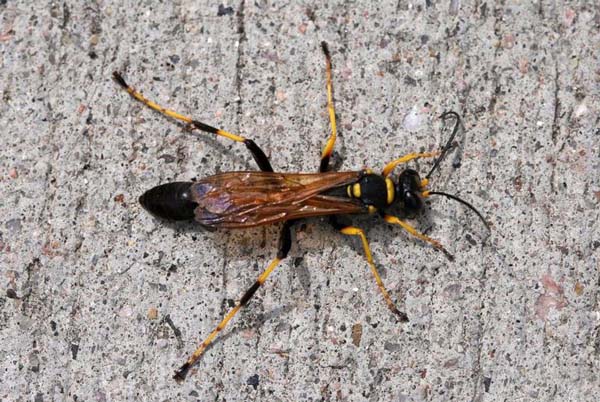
354, 231
259, 156
406, 158
285, 243
395, 221
328, 149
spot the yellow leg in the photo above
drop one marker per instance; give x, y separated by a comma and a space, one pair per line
328, 149
182, 371
171, 113
354, 231
406, 158
395, 221
259, 156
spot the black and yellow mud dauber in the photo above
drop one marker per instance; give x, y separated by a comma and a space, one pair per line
255, 198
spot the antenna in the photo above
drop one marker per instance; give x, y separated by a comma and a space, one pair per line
465, 203
448, 145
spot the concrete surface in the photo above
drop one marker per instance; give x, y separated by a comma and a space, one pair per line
94, 290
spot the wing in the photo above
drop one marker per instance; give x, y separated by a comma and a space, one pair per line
246, 199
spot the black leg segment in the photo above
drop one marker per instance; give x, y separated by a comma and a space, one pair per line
259, 156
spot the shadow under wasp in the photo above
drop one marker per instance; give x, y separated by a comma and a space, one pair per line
253, 198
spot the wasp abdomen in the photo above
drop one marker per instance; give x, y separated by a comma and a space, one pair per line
170, 201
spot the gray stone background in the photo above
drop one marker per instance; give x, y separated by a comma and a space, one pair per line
100, 301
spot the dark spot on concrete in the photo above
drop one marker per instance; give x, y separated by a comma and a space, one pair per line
39, 397
391, 347
172, 269
253, 380
93, 55
487, 381
174, 58
470, 239
175, 330
408, 80
456, 162
74, 350
11, 294
167, 158
451, 363
14, 225
483, 11
224, 10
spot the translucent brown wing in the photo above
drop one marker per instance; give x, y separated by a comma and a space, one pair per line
246, 199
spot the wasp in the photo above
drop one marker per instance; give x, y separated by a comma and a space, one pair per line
237, 200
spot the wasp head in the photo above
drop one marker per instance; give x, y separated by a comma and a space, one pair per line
409, 191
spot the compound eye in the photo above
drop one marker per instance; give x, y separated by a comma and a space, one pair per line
412, 201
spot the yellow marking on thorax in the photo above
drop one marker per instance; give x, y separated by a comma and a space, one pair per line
356, 190
372, 209
391, 192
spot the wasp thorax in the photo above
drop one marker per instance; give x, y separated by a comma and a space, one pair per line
408, 191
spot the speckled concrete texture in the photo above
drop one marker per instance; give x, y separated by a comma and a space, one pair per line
101, 302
